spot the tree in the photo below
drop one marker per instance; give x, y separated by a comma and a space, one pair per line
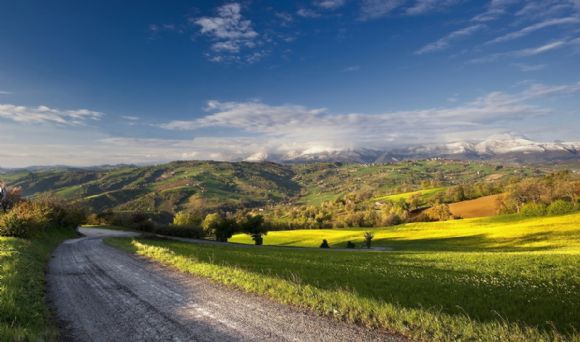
211, 222
368, 238
439, 212
185, 218
253, 225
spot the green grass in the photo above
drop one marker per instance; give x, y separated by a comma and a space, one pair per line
425, 194
513, 233
24, 315
505, 278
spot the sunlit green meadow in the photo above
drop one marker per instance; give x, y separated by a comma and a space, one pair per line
24, 315
502, 278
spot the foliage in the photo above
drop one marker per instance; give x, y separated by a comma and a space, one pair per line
24, 315
253, 225
186, 218
193, 232
560, 207
30, 218
532, 209
439, 212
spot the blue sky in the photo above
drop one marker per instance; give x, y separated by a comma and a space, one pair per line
95, 82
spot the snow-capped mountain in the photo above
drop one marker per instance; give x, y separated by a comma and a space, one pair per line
505, 146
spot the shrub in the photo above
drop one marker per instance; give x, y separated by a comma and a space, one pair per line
560, 207
439, 212
28, 218
184, 218
533, 209
350, 244
193, 232
324, 244
368, 238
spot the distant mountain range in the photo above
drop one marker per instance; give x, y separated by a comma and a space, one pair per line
505, 147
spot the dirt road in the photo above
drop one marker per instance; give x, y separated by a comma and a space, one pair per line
102, 294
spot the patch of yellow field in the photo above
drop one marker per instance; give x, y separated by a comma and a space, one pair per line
513, 233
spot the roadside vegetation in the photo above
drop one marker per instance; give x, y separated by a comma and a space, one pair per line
29, 231
502, 278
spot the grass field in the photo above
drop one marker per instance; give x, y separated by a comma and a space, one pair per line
503, 233
488, 279
24, 315
479, 207
425, 194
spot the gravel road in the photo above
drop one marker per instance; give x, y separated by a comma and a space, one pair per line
103, 294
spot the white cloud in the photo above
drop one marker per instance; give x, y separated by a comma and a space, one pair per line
329, 4
292, 125
307, 13
427, 6
495, 9
229, 31
446, 41
535, 27
373, 9
46, 115
526, 52
351, 68
258, 127
529, 67
3, 92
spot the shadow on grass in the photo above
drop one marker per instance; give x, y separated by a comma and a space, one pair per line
423, 280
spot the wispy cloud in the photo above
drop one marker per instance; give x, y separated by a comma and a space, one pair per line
291, 125
446, 41
373, 9
229, 31
495, 10
533, 51
46, 115
535, 27
329, 4
428, 6
351, 68
3, 92
529, 67
307, 13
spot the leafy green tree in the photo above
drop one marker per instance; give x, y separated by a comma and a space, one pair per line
185, 218
253, 225
211, 223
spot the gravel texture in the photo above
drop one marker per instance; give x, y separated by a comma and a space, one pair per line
102, 294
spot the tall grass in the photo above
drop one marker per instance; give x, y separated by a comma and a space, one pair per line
24, 315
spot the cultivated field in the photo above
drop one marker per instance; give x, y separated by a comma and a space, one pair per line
514, 233
479, 207
500, 278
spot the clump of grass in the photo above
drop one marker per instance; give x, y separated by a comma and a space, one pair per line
24, 315
443, 296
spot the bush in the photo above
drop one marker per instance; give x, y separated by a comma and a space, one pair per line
324, 244
439, 212
350, 244
560, 207
193, 232
184, 218
532, 209
28, 218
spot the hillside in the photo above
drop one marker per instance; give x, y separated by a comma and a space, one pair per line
231, 185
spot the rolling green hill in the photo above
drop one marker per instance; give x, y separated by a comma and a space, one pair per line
232, 185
